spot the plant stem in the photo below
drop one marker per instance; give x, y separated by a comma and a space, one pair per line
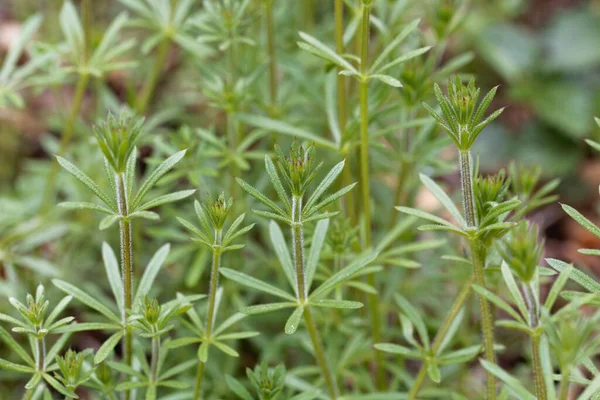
150, 84
41, 353
126, 248
350, 207
154, 359
463, 295
466, 184
538, 373
366, 190
320, 353
212, 299
478, 252
564, 383
298, 249
478, 255
65, 139
271, 50
298, 255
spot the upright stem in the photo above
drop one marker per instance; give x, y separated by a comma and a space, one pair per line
65, 139
365, 185
150, 84
320, 353
466, 184
478, 255
126, 267
463, 295
564, 383
538, 373
212, 300
350, 207
272, 55
154, 359
298, 255
298, 249
41, 353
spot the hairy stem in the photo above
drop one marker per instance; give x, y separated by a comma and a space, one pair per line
463, 295
152, 80
298, 249
563, 394
65, 139
320, 354
466, 184
212, 300
478, 255
538, 373
126, 267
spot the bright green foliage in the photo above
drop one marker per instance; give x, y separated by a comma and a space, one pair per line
72, 371
522, 251
462, 116
117, 137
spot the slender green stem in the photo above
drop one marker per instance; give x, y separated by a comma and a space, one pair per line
126, 248
563, 394
320, 354
478, 255
400, 192
272, 53
298, 249
538, 373
41, 353
466, 183
152, 80
28, 395
154, 359
374, 311
463, 295
212, 301
65, 139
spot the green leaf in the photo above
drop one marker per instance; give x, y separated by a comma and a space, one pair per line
426, 215
342, 304
236, 387
107, 347
167, 198
388, 80
261, 197
75, 205
314, 253
393, 348
343, 275
393, 45
285, 129
279, 189
151, 272
108, 221
434, 372
15, 367
578, 276
460, 356
203, 351
405, 57
283, 253
513, 288
414, 316
180, 342
249, 281
294, 321
513, 384
58, 309
162, 169
39, 265
87, 181
15, 346
174, 384
111, 266
498, 302
70, 25
557, 287
439, 194
86, 299
266, 308
230, 351
314, 46
324, 185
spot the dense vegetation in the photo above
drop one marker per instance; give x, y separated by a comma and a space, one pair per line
261, 199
